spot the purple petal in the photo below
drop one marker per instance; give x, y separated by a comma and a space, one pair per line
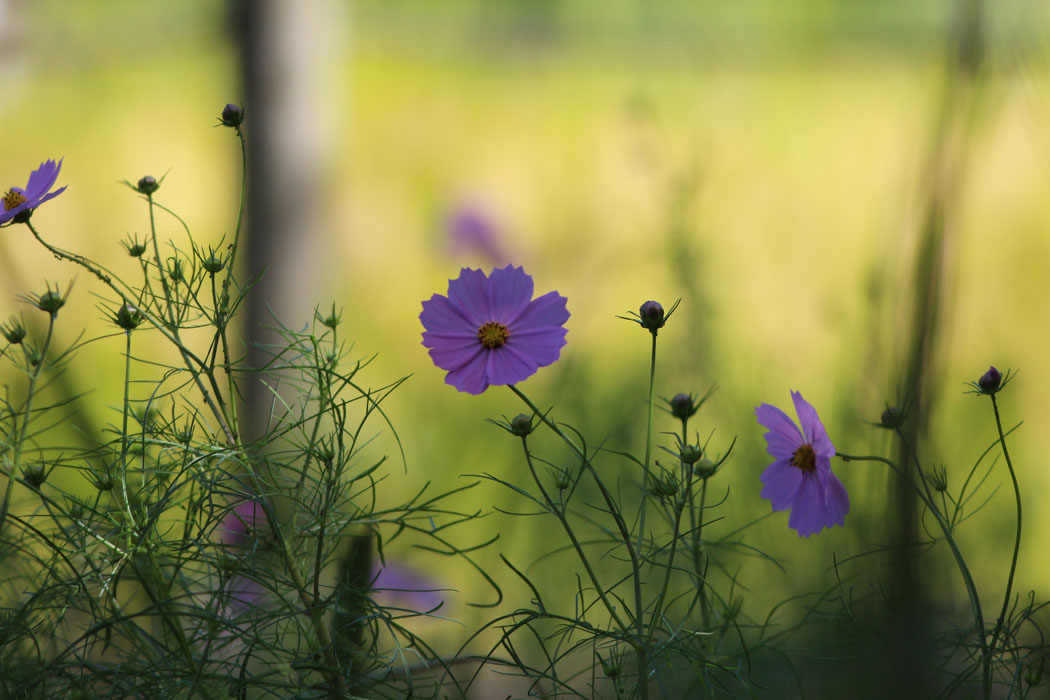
837, 501
781, 446
545, 311
52, 195
781, 482
440, 316
808, 514
778, 423
543, 345
41, 179
505, 366
813, 429
469, 294
450, 355
470, 377
510, 293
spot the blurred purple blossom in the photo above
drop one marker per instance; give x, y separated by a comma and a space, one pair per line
800, 478
400, 586
241, 528
472, 229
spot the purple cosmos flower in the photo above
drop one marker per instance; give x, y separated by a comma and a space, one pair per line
801, 478
490, 331
17, 200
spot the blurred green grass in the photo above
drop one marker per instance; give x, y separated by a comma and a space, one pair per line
791, 137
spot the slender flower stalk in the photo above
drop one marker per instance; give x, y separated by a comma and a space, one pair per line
22, 431
1017, 542
946, 530
639, 644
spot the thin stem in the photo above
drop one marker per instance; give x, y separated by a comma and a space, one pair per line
556, 512
971, 587
648, 445
187, 355
221, 324
20, 441
1017, 535
625, 536
124, 436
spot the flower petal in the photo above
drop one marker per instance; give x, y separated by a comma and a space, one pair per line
450, 355
51, 195
41, 179
837, 502
469, 294
542, 345
808, 514
812, 428
510, 291
470, 377
779, 424
505, 366
546, 311
781, 484
441, 317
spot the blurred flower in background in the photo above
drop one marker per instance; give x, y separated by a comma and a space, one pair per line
397, 585
473, 230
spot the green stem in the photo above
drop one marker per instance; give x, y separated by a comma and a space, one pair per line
1017, 538
560, 515
187, 355
964, 570
625, 535
124, 438
23, 430
675, 535
648, 445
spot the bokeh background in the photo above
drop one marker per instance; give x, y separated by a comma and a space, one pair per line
849, 198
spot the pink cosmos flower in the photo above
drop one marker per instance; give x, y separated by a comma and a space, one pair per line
17, 200
490, 331
800, 478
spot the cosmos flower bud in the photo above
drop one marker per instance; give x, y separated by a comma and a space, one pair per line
332, 320
14, 331
147, 185
213, 264
990, 380
892, 418
521, 425
664, 487
683, 406
127, 317
704, 468
103, 482
690, 454
232, 116
50, 301
610, 668
134, 247
651, 314
34, 475
938, 478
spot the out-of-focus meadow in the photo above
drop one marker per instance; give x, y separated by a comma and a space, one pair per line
767, 162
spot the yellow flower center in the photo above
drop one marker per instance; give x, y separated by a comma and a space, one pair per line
493, 335
804, 458
12, 199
